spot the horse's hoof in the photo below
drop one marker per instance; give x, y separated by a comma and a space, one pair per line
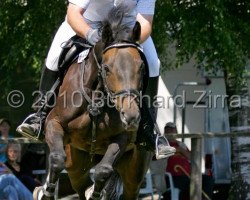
90, 195
88, 192
38, 194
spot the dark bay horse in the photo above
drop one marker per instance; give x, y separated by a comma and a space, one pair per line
96, 117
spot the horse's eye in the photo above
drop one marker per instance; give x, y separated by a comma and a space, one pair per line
106, 68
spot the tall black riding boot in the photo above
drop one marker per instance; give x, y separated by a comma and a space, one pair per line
32, 126
155, 141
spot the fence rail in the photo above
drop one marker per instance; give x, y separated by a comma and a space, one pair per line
20, 140
176, 136
209, 135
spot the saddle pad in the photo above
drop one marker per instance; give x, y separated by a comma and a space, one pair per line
83, 55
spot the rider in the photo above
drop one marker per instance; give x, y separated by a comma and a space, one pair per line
84, 18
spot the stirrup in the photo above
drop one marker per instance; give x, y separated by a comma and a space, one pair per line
171, 150
38, 134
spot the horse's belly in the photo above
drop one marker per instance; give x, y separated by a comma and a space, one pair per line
83, 141
86, 144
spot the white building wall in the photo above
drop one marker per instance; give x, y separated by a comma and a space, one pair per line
198, 118
168, 83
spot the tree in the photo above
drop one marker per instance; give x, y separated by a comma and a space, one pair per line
217, 35
27, 28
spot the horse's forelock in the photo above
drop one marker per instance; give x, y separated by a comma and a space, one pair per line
113, 29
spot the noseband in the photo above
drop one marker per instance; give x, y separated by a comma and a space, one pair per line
123, 93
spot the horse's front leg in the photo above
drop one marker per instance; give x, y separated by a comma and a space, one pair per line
57, 156
104, 169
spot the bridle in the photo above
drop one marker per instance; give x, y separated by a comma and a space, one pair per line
101, 67
94, 108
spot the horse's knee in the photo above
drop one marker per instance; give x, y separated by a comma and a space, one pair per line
102, 171
57, 161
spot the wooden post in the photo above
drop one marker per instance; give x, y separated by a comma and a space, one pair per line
196, 176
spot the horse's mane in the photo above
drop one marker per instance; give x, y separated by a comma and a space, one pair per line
114, 30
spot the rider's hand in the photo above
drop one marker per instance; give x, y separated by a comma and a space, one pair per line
93, 36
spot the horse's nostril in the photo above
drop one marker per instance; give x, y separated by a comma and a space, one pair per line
123, 114
130, 117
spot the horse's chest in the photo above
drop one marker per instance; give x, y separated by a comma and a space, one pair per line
104, 126
109, 122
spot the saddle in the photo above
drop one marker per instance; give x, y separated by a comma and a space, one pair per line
71, 50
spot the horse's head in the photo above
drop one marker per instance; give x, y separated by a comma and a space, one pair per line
123, 70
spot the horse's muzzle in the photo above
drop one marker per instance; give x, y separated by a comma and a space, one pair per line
130, 119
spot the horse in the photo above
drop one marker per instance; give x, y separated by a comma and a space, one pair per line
96, 117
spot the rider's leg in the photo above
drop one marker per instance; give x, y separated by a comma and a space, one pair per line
49, 76
33, 126
162, 147
149, 112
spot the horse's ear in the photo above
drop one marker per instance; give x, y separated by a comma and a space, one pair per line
107, 36
136, 32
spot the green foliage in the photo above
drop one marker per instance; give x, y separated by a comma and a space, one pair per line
216, 33
26, 31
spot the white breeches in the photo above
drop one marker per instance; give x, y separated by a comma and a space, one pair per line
65, 32
152, 57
